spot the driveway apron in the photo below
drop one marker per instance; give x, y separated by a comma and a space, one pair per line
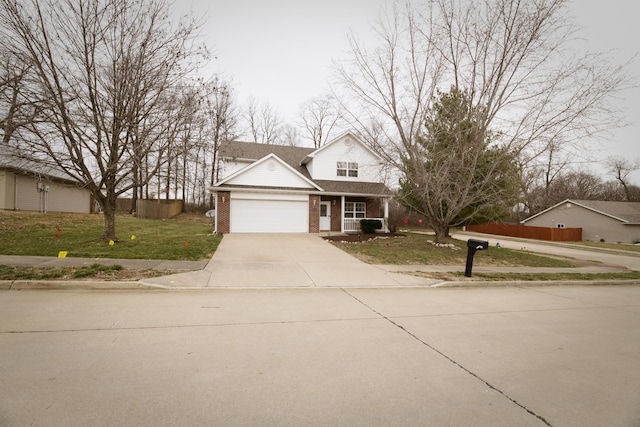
284, 260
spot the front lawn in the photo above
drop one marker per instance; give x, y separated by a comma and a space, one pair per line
419, 249
184, 237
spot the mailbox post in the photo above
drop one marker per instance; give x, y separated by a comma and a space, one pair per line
473, 245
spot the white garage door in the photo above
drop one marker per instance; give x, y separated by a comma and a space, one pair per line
266, 215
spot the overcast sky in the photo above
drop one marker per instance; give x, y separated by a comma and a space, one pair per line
282, 50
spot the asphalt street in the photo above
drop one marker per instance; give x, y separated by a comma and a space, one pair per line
535, 356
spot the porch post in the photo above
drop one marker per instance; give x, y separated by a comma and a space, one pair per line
342, 214
386, 214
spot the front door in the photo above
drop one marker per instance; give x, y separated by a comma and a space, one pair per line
325, 216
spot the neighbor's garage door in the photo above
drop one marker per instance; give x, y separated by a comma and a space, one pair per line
268, 213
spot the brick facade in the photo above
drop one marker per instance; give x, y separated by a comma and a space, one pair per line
314, 213
374, 208
223, 207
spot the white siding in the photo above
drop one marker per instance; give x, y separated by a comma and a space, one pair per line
270, 173
228, 167
346, 149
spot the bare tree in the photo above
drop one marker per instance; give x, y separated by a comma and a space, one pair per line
222, 120
621, 168
264, 122
512, 57
17, 109
320, 117
106, 73
289, 135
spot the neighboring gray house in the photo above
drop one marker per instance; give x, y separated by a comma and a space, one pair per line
599, 220
30, 185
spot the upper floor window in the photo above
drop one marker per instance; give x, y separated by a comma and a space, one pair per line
348, 169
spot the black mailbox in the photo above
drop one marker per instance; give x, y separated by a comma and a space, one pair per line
474, 245
478, 245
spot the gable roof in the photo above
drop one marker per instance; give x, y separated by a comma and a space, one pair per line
263, 160
626, 212
253, 151
311, 155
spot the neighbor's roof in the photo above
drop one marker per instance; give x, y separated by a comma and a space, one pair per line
626, 212
293, 156
16, 159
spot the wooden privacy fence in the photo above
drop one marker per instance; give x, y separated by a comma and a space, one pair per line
158, 209
527, 232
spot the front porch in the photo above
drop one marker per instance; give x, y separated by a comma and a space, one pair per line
343, 213
351, 225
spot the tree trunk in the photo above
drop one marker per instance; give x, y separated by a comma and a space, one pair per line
109, 212
441, 232
134, 190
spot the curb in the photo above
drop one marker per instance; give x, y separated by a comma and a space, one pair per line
25, 285
534, 283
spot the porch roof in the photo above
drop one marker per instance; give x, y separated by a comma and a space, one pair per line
335, 188
377, 189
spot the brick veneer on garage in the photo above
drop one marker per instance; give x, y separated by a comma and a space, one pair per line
223, 206
314, 213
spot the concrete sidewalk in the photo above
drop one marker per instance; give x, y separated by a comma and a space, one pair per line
624, 259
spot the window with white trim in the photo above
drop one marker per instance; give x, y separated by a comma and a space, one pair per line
347, 169
355, 210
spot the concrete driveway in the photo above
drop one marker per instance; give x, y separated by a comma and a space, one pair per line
284, 260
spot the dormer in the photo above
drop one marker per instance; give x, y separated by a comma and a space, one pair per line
345, 158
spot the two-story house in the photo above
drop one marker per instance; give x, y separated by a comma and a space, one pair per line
282, 189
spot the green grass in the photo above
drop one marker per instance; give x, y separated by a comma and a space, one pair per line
185, 237
47, 273
94, 271
418, 249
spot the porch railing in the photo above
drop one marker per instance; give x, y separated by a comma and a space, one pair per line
352, 225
